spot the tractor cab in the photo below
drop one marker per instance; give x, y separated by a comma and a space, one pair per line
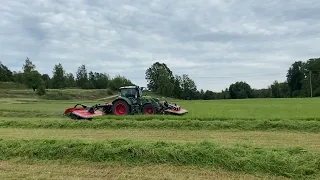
131, 92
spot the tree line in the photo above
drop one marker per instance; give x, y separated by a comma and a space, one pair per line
302, 80
60, 79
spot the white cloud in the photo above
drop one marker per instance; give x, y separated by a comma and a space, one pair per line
216, 42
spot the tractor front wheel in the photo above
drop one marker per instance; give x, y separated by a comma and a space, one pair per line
148, 109
120, 108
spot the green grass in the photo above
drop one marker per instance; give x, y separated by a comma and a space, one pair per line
251, 114
250, 109
12, 85
256, 108
292, 163
57, 94
262, 109
274, 117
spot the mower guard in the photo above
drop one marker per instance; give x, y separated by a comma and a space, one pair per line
173, 109
176, 112
86, 112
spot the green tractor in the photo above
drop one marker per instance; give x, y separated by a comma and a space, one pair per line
130, 101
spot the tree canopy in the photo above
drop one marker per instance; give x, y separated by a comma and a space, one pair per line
31, 77
302, 78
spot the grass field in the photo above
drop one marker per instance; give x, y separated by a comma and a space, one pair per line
222, 139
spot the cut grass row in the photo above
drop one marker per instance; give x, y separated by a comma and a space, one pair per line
292, 163
47, 114
57, 170
244, 125
307, 141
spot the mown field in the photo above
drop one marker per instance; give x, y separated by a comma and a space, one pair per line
222, 139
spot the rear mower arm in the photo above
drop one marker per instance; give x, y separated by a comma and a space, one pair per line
92, 109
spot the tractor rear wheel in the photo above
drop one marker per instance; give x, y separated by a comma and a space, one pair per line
120, 108
148, 109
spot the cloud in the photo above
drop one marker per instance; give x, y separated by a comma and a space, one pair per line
216, 42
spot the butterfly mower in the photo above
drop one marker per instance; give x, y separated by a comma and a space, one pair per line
129, 102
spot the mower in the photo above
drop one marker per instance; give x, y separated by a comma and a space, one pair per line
129, 102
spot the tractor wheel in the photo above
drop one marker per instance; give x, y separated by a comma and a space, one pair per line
148, 109
120, 108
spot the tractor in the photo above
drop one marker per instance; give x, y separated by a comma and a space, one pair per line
130, 101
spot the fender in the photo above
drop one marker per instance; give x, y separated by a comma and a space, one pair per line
123, 98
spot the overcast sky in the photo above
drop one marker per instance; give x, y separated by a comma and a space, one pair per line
216, 42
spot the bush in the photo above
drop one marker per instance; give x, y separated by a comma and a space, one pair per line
296, 93
41, 91
317, 92
109, 92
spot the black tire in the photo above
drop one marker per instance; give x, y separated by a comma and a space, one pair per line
120, 108
149, 109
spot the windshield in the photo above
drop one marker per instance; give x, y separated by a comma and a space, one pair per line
128, 92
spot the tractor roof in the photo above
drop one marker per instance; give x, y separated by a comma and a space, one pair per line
128, 87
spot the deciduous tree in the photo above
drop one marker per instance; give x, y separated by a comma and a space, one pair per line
58, 79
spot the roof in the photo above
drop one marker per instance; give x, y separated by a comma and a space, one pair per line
128, 87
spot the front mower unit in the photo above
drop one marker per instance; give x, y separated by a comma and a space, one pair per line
130, 101
87, 112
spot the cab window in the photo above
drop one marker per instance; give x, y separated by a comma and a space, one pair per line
128, 93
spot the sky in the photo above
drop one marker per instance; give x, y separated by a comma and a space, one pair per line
215, 42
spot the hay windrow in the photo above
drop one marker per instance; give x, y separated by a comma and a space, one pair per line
293, 163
